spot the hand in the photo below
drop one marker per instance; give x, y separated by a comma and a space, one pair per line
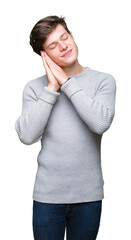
58, 73
52, 82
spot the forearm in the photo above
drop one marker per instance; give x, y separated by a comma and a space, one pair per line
97, 113
34, 117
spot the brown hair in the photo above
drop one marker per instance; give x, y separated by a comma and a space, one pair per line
42, 29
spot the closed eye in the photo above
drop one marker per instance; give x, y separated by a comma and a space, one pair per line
52, 45
63, 37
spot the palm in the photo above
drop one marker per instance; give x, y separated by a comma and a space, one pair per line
51, 78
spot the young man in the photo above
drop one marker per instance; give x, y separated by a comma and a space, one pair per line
68, 109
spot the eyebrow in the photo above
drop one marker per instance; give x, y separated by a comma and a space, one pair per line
55, 41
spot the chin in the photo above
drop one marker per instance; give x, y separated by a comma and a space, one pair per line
64, 65
68, 62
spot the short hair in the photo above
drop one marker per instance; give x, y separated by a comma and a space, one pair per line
42, 29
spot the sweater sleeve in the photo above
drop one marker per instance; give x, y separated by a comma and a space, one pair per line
35, 114
97, 112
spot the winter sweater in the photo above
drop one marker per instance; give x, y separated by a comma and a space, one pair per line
70, 124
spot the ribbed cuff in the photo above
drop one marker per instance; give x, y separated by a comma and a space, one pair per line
49, 95
70, 87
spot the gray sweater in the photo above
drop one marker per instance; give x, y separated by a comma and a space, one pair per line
70, 124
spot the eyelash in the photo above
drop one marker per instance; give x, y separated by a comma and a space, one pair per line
63, 39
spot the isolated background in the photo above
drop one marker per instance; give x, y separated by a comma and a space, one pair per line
102, 32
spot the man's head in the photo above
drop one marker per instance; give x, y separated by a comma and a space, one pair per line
52, 35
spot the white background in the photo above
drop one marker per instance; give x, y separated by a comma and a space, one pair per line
102, 32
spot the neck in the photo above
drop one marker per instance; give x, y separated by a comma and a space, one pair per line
73, 69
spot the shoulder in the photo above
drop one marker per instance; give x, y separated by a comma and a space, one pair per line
100, 74
35, 86
36, 82
103, 78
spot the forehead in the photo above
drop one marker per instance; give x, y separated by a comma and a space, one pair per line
55, 34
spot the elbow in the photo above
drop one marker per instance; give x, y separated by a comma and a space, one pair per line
28, 141
24, 137
102, 126
25, 140
101, 129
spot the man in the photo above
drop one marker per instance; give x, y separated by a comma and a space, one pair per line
68, 109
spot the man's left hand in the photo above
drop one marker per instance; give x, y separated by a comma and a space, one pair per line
56, 70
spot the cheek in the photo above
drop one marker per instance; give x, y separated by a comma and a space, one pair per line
55, 57
75, 45
52, 55
75, 48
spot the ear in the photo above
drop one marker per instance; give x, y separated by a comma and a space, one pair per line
71, 35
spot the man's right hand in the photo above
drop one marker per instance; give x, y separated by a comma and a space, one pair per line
52, 82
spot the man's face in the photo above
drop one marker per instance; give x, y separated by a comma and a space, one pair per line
58, 43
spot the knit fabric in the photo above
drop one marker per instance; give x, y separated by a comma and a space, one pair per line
70, 124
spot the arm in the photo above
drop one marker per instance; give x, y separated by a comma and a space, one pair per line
98, 112
35, 114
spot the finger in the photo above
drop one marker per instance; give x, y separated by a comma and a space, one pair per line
44, 63
42, 53
47, 66
51, 66
43, 58
50, 63
50, 60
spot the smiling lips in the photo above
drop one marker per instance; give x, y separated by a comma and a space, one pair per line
68, 53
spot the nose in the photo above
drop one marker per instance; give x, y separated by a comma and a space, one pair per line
62, 46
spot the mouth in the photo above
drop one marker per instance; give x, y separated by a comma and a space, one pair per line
67, 53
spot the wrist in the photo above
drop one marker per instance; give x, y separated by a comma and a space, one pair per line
66, 80
53, 87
